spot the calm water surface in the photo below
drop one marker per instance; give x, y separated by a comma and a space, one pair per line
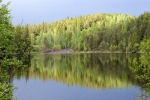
77, 77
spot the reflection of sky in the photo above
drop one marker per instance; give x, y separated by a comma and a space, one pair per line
51, 10
50, 90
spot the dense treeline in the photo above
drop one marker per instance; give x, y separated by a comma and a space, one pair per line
97, 32
100, 32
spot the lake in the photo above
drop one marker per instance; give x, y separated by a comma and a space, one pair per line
77, 77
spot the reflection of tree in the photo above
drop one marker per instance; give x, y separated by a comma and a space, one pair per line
7, 69
5, 87
141, 69
89, 70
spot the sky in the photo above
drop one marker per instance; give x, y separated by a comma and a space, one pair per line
37, 11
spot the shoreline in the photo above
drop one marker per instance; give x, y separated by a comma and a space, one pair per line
69, 51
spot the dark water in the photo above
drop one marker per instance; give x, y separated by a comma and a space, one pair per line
77, 77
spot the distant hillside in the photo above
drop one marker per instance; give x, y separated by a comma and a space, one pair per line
97, 32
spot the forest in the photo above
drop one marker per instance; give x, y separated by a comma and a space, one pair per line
97, 32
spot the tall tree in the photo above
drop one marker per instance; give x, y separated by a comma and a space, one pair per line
6, 32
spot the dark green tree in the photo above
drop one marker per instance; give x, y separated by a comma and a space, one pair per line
6, 32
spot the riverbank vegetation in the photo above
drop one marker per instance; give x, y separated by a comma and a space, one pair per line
14, 46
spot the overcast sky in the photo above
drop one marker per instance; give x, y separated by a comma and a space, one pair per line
51, 10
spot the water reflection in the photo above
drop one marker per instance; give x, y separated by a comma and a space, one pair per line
9, 66
141, 68
88, 70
